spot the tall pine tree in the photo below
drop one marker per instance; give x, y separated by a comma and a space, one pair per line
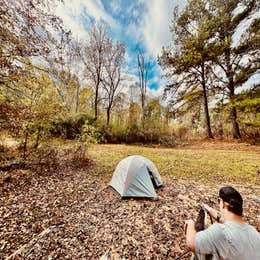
187, 64
239, 59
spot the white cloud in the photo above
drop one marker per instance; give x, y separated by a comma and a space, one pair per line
155, 79
133, 30
156, 26
70, 13
129, 79
115, 6
77, 14
156, 92
252, 81
96, 9
150, 25
242, 27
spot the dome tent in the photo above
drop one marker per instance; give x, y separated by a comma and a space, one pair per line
136, 176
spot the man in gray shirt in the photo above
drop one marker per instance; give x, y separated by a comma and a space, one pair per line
232, 238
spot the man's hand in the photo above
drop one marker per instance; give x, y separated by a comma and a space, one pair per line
213, 213
188, 223
189, 229
207, 208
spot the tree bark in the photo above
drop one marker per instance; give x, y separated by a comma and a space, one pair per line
143, 77
108, 116
96, 104
233, 113
206, 109
143, 111
37, 138
25, 142
235, 126
77, 99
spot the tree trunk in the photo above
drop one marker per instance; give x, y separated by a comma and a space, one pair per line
235, 126
143, 74
37, 138
77, 99
96, 104
108, 115
206, 109
143, 112
233, 112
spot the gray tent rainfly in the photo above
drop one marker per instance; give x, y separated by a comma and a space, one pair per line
136, 176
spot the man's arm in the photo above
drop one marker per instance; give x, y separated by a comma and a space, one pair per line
190, 234
214, 213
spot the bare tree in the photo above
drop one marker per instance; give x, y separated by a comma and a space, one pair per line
143, 69
26, 31
93, 58
65, 70
114, 59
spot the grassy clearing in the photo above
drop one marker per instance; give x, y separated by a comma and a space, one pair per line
205, 166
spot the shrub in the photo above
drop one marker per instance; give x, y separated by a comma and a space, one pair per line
71, 126
91, 134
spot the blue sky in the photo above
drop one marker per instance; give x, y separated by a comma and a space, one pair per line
140, 24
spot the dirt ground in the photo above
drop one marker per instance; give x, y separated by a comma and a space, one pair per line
74, 215
221, 145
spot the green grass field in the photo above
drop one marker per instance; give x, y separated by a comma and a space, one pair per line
198, 165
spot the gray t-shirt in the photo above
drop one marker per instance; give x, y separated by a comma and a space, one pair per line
229, 241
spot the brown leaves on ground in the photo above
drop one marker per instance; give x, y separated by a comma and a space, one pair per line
74, 215
215, 144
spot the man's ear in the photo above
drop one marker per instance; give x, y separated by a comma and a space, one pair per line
224, 205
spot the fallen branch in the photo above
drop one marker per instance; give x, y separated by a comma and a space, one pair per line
11, 166
23, 248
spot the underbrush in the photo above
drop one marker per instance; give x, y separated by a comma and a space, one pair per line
49, 155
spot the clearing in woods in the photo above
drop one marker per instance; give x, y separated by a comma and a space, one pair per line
70, 213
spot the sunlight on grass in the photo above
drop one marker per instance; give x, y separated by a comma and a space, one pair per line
7, 141
220, 166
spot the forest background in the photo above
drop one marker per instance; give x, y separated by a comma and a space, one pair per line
45, 94
68, 115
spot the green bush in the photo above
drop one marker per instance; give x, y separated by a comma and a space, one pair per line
91, 133
70, 127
